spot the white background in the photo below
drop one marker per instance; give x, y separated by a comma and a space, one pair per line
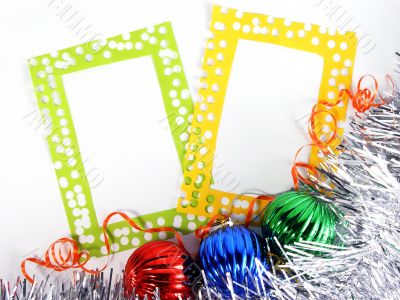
124, 139
31, 213
261, 109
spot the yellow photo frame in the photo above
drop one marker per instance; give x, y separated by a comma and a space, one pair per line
228, 26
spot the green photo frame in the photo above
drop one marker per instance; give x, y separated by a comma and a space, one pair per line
47, 75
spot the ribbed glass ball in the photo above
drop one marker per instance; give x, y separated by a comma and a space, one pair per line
233, 250
298, 215
161, 265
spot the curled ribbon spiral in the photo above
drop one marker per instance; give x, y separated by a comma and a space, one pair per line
362, 100
61, 255
322, 145
64, 253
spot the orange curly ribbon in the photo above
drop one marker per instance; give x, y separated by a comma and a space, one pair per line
362, 100
56, 259
64, 253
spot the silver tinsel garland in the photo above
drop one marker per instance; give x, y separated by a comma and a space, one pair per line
80, 286
367, 189
364, 183
365, 186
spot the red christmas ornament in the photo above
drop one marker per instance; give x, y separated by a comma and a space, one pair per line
163, 265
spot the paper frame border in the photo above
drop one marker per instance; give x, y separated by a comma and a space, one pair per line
46, 73
227, 27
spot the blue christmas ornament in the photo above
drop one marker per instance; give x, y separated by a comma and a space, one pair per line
234, 250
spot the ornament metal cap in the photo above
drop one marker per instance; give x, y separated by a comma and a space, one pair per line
221, 223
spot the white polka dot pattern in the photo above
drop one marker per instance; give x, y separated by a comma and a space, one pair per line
47, 71
228, 26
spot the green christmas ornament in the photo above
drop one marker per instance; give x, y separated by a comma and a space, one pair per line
298, 215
